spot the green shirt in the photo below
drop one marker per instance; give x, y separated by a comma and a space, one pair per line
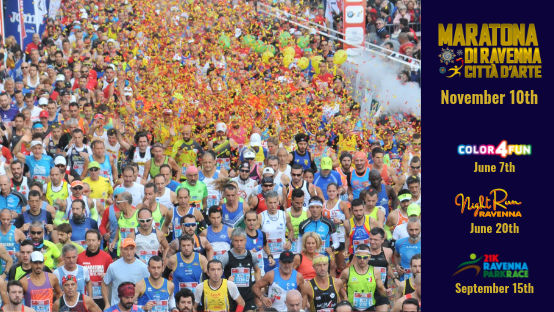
197, 192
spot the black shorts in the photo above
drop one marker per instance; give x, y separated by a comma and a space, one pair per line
341, 247
380, 299
250, 305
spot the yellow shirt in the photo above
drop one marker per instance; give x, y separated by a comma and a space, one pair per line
100, 189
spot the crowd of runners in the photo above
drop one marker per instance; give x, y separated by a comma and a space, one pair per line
201, 156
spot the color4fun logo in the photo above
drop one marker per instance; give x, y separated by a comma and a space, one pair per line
489, 51
490, 266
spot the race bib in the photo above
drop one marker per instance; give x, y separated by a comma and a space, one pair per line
219, 254
383, 274
82, 243
275, 245
177, 231
260, 256
223, 163
159, 306
357, 242
189, 285
96, 290
212, 200
145, 255
362, 301
41, 305
124, 232
242, 276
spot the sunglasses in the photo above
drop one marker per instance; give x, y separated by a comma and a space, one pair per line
415, 167
94, 169
145, 220
267, 185
36, 232
362, 257
189, 224
296, 174
245, 171
77, 188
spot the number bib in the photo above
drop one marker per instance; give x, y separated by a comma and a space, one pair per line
96, 290
212, 200
275, 245
159, 306
357, 242
189, 285
145, 255
383, 273
363, 301
242, 276
41, 305
124, 232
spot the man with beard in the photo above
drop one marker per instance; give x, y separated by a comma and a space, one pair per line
15, 298
80, 223
188, 226
413, 298
186, 150
323, 291
407, 247
97, 262
23, 266
57, 191
187, 265
184, 300
73, 299
155, 293
197, 189
126, 302
9, 198
301, 155
19, 181
217, 293
64, 237
41, 288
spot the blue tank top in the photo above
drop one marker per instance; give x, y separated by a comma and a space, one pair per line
177, 230
255, 243
105, 167
28, 218
305, 161
323, 227
357, 182
232, 219
285, 284
151, 293
359, 234
221, 242
80, 278
8, 240
187, 275
112, 220
201, 176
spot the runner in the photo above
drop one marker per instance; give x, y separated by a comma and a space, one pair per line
172, 223
125, 299
155, 293
233, 209
322, 226
337, 211
72, 299
197, 189
187, 266
150, 242
216, 293
406, 248
413, 297
217, 233
209, 174
407, 286
71, 268
381, 260
15, 298
358, 227
41, 288
323, 292
297, 213
247, 185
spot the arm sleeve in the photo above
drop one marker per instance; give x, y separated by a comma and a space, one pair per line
105, 218
233, 290
198, 293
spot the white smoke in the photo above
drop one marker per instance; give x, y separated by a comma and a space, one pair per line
374, 77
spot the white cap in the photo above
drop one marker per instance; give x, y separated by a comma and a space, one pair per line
60, 77
249, 154
60, 160
127, 91
255, 139
42, 101
36, 256
220, 126
268, 170
33, 143
238, 32
73, 98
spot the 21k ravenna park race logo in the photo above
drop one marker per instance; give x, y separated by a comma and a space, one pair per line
491, 266
489, 51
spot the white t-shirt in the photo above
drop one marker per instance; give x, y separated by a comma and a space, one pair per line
74, 273
136, 191
400, 231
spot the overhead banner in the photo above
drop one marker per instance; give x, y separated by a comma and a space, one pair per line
354, 22
23, 18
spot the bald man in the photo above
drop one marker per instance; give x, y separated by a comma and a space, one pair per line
186, 150
294, 301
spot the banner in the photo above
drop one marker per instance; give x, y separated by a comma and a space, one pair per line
23, 18
354, 22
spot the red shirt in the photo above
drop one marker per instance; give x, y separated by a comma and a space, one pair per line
97, 267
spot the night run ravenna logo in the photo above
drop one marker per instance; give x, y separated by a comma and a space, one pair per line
489, 51
491, 267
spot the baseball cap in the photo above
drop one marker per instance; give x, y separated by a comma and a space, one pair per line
403, 197
76, 183
268, 170
127, 91
118, 190
42, 101
267, 180
413, 210
245, 165
60, 160
93, 164
286, 256
255, 139
33, 143
326, 163
220, 126
128, 242
60, 77
248, 154
43, 114
36, 256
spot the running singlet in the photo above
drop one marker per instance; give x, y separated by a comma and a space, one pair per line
12, 247
214, 196
220, 241
187, 275
159, 296
79, 306
141, 160
39, 297
232, 219
255, 245
361, 288
177, 229
305, 160
126, 227
383, 199
359, 234
274, 227
323, 227
359, 182
381, 264
295, 224
324, 300
336, 213
215, 300
277, 291
147, 245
